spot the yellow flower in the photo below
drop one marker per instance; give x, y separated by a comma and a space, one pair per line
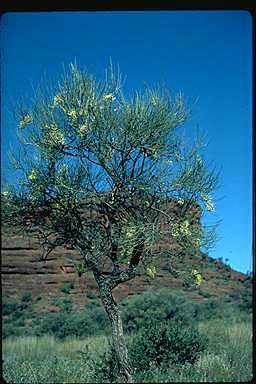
197, 277
72, 114
209, 203
57, 100
130, 233
210, 206
83, 129
205, 197
151, 271
57, 136
82, 112
54, 134
180, 201
33, 175
109, 97
27, 119
184, 228
170, 162
175, 230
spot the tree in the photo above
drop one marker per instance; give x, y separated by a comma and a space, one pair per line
99, 171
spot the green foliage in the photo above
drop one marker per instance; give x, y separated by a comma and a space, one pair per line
106, 369
137, 311
164, 343
64, 304
26, 296
14, 309
89, 322
228, 358
85, 146
91, 295
67, 287
243, 299
162, 304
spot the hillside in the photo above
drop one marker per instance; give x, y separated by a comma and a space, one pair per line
21, 271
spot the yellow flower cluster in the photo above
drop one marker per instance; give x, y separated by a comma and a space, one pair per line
127, 252
55, 134
109, 97
130, 232
151, 271
57, 100
82, 112
184, 228
33, 175
209, 203
175, 230
197, 277
180, 201
210, 207
152, 153
180, 229
83, 128
27, 119
72, 114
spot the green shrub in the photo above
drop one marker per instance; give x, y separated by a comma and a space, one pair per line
158, 305
106, 368
204, 293
92, 321
26, 296
65, 305
243, 299
91, 295
12, 308
67, 287
164, 343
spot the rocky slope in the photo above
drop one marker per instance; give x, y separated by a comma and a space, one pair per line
21, 271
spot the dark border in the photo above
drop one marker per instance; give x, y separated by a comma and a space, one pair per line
122, 5
161, 5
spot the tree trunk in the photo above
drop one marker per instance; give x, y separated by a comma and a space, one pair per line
117, 328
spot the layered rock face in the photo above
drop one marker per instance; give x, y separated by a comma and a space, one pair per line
22, 270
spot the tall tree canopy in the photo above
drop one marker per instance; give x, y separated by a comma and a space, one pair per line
99, 170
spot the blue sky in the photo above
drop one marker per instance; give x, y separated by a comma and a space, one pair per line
205, 54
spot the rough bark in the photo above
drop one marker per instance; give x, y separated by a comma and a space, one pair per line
114, 315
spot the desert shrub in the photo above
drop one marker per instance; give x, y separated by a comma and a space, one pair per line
14, 328
65, 305
165, 343
13, 308
67, 287
92, 321
91, 295
106, 368
204, 293
159, 305
243, 299
26, 296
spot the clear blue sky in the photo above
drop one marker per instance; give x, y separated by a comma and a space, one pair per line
205, 54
